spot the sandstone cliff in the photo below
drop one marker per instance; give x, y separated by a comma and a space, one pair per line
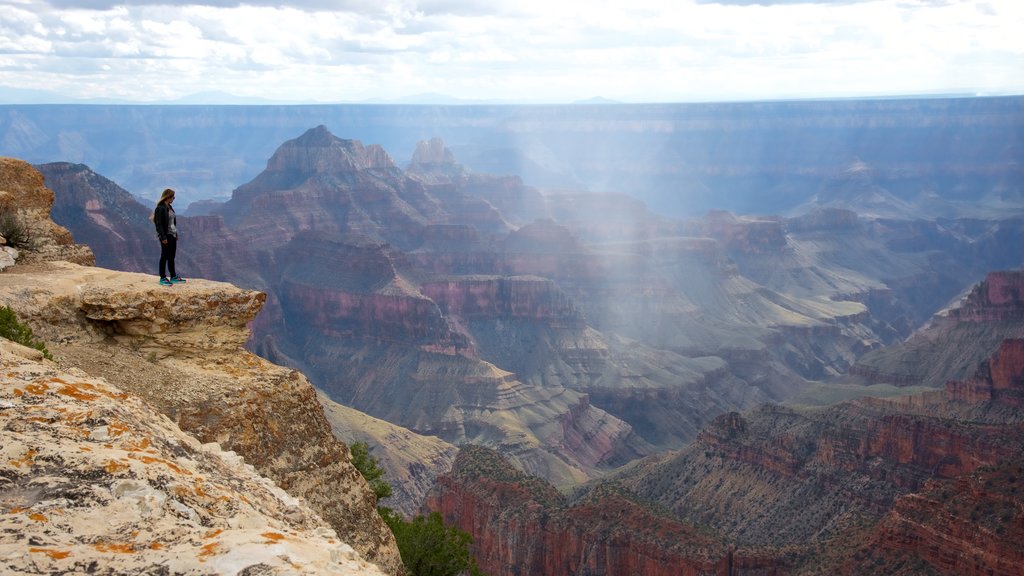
957, 340
25, 203
94, 480
180, 350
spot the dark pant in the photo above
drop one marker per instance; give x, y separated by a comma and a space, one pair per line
167, 256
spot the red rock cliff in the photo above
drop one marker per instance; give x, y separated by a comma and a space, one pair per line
522, 525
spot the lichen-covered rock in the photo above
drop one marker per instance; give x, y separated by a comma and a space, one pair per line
92, 479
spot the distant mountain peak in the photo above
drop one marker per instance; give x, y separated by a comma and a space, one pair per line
434, 162
319, 151
432, 152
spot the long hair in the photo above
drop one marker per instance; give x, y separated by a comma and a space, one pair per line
167, 193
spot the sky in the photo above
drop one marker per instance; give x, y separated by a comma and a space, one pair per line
523, 51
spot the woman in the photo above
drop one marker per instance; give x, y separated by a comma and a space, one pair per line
167, 231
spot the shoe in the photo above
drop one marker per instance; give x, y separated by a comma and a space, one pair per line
165, 282
177, 279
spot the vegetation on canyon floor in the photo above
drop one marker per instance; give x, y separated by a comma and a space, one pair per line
427, 546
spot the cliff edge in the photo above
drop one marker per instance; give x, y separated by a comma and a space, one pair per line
178, 350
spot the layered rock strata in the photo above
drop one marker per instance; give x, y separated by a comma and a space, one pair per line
957, 340
522, 525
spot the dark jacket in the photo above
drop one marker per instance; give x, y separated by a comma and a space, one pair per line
163, 217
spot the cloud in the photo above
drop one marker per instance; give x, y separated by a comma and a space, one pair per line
527, 49
305, 5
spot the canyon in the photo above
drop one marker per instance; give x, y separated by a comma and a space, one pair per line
925, 483
571, 375
152, 440
572, 332
938, 156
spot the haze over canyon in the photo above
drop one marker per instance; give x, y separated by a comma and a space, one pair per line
757, 338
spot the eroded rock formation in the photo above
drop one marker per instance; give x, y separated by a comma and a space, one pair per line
957, 340
523, 525
95, 480
25, 204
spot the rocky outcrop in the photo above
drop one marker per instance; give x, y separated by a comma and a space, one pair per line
522, 525
179, 349
999, 380
1000, 297
318, 151
971, 526
25, 222
957, 340
95, 480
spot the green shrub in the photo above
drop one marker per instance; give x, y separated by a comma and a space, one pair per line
427, 546
14, 330
370, 469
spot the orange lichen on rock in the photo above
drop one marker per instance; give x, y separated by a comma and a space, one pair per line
116, 428
272, 537
138, 445
155, 460
114, 467
119, 548
87, 392
55, 554
78, 392
36, 388
37, 517
25, 460
208, 550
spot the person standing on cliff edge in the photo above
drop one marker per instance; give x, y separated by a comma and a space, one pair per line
167, 231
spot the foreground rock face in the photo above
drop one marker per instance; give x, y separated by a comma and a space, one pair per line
179, 348
93, 479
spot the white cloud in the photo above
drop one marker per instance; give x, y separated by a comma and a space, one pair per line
640, 50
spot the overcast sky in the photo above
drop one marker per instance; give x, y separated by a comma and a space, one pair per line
516, 50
